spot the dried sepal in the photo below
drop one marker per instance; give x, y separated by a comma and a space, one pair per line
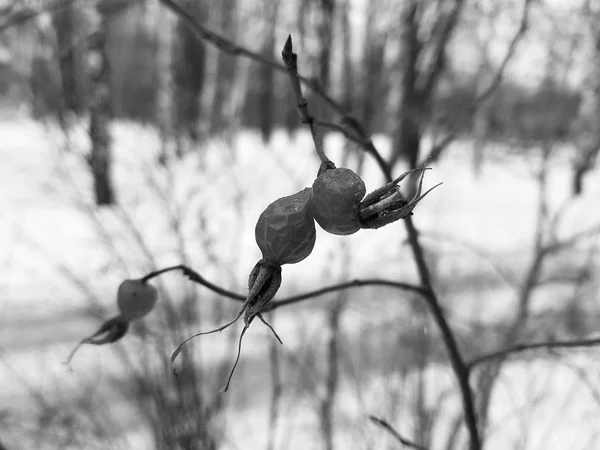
110, 331
386, 204
263, 284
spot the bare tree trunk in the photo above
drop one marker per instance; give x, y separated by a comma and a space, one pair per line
324, 31
188, 68
589, 113
266, 77
70, 57
276, 390
407, 132
100, 113
332, 358
347, 78
165, 86
417, 85
373, 62
226, 69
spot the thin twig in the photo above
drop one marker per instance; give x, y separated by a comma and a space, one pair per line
386, 426
197, 278
290, 60
519, 348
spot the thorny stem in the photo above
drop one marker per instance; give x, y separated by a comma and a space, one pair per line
290, 60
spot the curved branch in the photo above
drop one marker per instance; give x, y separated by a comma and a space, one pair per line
519, 348
197, 278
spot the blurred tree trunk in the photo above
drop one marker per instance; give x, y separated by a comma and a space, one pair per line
100, 111
165, 86
70, 58
407, 131
324, 31
188, 73
417, 82
226, 69
265, 76
347, 78
588, 127
372, 67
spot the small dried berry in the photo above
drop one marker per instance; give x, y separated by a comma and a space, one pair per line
136, 298
336, 194
285, 231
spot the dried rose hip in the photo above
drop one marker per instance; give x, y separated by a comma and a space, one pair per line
335, 197
338, 206
285, 231
136, 298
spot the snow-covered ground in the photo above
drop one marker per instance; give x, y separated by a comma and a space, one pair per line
58, 256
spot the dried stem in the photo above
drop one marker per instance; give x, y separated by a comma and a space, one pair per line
197, 278
290, 60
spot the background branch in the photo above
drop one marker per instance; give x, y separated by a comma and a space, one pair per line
512, 47
519, 348
386, 426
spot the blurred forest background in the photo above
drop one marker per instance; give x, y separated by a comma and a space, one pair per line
128, 143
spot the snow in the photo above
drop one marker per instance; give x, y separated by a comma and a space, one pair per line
60, 256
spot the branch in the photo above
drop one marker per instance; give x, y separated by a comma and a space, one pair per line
197, 278
290, 59
455, 356
386, 426
512, 47
519, 348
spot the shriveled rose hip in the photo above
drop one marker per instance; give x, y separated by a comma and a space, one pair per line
335, 197
285, 231
136, 298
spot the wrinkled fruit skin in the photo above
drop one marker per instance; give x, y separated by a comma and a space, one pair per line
285, 231
335, 197
136, 299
